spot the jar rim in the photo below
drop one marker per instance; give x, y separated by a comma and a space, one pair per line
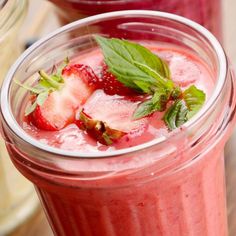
19, 132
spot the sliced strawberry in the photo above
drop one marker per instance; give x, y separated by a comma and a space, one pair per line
59, 108
111, 116
99, 130
84, 72
111, 85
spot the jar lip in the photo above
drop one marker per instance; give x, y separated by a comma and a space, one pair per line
14, 126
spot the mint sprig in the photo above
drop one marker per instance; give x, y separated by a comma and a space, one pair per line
137, 67
176, 115
156, 103
134, 65
194, 99
183, 109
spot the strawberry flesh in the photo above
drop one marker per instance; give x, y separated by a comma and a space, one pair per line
85, 72
112, 115
60, 107
111, 85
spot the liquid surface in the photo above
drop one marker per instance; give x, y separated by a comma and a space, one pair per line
186, 69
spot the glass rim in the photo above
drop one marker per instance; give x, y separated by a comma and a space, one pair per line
20, 133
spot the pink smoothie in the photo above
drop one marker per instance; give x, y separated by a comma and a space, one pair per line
205, 12
154, 194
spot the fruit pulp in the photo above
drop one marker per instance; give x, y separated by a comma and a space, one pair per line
205, 12
180, 199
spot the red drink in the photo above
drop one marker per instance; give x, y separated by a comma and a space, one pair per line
205, 12
158, 183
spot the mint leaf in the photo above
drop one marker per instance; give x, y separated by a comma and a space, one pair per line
137, 67
156, 103
166, 69
160, 98
176, 93
144, 109
182, 110
133, 64
144, 87
176, 115
161, 82
194, 99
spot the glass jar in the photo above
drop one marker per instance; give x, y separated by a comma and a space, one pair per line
169, 186
205, 12
17, 197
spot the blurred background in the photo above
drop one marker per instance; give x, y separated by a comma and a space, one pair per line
41, 19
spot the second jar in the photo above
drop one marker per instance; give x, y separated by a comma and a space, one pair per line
17, 196
205, 12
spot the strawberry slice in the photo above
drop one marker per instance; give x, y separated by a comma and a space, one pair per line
111, 85
84, 72
64, 95
108, 118
99, 129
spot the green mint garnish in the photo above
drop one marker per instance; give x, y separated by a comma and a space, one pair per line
182, 110
156, 103
138, 68
46, 85
176, 115
135, 66
194, 99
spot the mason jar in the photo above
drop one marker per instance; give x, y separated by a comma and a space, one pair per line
173, 185
205, 12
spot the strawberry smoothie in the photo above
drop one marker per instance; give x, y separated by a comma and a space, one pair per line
125, 137
143, 200
207, 13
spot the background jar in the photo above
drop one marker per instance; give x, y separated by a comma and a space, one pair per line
206, 13
17, 196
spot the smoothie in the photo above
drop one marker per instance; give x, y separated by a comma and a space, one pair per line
149, 200
205, 12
